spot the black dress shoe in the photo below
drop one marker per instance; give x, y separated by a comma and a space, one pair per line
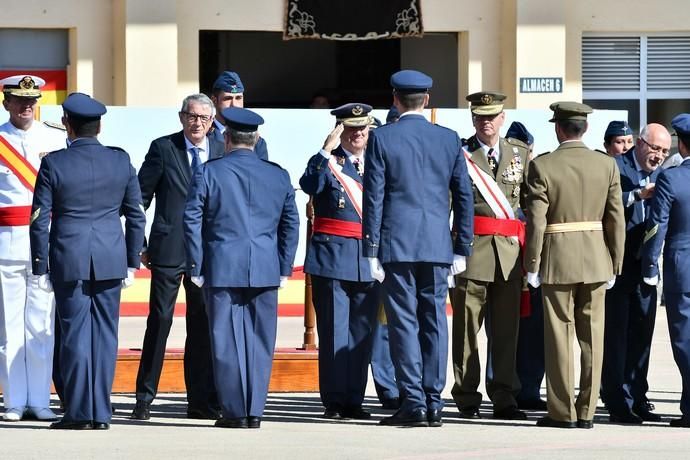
198, 413
647, 404
391, 404
551, 423
680, 422
355, 412
71, 425
532, 404
510, 413
434, 417
586, 424
101, 426
625, 418
239, 422
645, 414
470, 412
414, 418
253, 422
142, 411
333, 413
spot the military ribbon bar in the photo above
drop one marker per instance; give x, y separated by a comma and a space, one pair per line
21, 168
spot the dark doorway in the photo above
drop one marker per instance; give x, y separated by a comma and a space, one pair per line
287, 74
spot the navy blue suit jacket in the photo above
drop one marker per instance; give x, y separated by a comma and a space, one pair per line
80, 193
241, 222
333, 256
634, 223
260, 149
669, 220
165, 175
409, 168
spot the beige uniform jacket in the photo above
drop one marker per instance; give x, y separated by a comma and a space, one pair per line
574, 184
488, 249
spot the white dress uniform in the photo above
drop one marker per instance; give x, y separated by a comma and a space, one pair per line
26, 311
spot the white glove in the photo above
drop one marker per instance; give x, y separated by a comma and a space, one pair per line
459, 264
127, 282
198, 280
653, 281
451, 281
611, 282
534, 280
376, 269
44, 283
283, 282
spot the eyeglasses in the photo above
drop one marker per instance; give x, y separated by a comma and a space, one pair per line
192, 117
656, 148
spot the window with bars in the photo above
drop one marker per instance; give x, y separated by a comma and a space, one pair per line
648, 75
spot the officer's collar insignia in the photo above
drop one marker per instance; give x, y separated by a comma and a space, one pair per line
27, 83
357, 110
487, 99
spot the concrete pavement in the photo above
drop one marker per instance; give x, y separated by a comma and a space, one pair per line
292, 427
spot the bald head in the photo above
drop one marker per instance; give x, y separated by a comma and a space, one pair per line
652, 146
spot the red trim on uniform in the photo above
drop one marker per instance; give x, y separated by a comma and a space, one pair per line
15, 160
13, 216
337, 227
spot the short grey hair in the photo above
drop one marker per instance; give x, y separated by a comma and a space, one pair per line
242, 137
198, 98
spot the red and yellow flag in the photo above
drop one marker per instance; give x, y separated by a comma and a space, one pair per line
53, 92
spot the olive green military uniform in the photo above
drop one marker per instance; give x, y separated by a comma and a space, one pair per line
491, 287
575, 241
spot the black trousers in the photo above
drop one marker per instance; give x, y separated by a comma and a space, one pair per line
198, 367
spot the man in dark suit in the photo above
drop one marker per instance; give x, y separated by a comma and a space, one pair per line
165, 175
228, 91
410, 167
78, 244
668, 225
346, 298
241, 230
630, 303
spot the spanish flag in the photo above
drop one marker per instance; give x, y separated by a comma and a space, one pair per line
55, 90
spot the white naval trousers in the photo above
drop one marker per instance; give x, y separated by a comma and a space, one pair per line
27, 314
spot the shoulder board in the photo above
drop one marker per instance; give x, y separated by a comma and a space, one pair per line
517, 142
59, 126
42, 155
541, 155
119, 149
215, 158
600, 151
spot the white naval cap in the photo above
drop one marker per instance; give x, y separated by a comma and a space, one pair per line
22, 85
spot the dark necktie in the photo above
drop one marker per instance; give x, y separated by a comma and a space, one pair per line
357, 165
493, 161
196, 161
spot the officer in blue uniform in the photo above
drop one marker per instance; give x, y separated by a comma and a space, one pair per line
77, 242
228, 91
669, 223
382, 369
410, 167
241, 230
346, 297
630, 303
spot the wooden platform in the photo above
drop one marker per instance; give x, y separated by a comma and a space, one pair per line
294, 370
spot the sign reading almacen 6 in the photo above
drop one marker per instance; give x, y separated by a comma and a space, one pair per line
541, 85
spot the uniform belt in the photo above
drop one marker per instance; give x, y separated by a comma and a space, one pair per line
337, 227
14, 216
502, 227
567, 227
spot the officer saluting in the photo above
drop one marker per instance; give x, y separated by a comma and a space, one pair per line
669, 222
346, 298
241, 230
575, 239
409, 169
77, 242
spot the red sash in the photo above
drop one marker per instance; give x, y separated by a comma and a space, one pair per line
337, 227
19, 165
14, 216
